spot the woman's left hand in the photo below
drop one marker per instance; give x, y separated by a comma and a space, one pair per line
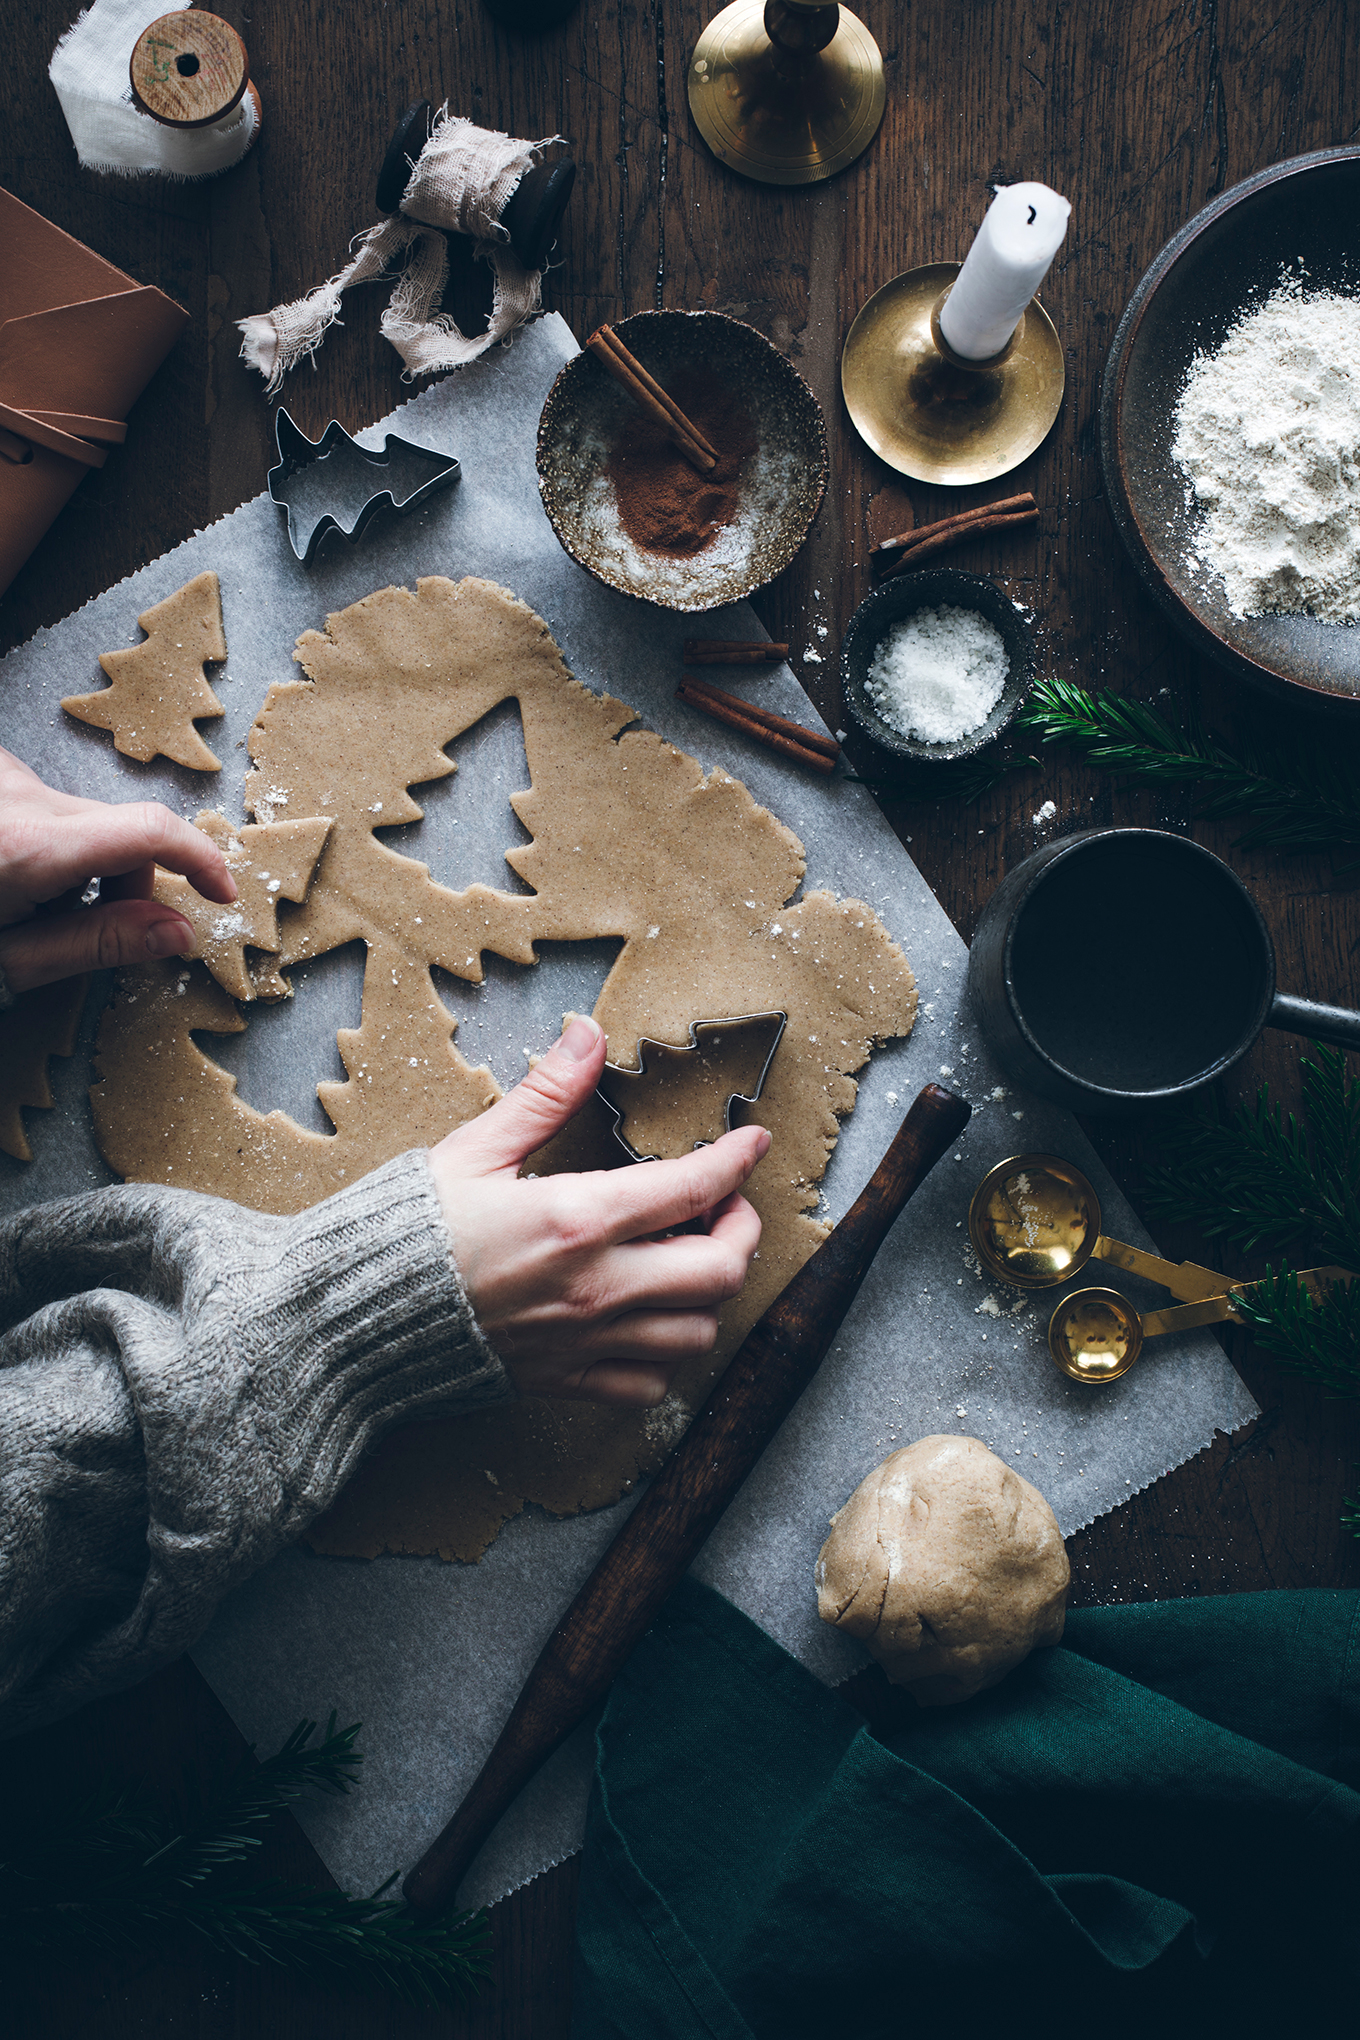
53, 844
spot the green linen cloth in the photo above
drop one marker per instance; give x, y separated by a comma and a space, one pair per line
1154, 1826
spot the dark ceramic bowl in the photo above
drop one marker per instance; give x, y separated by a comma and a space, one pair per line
930, 588
1225, 261
781, 489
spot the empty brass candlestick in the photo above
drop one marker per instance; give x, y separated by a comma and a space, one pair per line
931, 413
786, 91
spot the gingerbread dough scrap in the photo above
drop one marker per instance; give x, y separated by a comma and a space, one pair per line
40, 1023
630, 841
158, 689
269, 864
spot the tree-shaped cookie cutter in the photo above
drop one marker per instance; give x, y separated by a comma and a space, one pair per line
297, 452
614, 1084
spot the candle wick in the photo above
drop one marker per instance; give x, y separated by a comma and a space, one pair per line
1033, 216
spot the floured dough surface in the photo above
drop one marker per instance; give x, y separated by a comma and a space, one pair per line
39, 1024
157, 689
631, 841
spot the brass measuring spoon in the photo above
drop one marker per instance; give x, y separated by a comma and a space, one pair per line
1034, 1222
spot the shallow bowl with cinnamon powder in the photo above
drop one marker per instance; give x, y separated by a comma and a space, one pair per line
628, 506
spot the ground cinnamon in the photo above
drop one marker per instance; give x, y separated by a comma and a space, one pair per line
664, 505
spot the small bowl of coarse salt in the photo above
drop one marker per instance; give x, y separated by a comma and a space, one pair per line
934, 665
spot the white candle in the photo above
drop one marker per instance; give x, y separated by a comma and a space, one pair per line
1015, 244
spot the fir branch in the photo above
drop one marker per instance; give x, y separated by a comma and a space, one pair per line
114, 1875
1303, 796
1319, 1339
1350, 1514
232, 1822
1265, 1183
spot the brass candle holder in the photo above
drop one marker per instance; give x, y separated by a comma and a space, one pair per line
931, 413
786, 91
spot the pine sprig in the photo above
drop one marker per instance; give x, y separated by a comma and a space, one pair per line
1270, 1183
1267, 1183
1303, 797
233, 1821
1317, 1339
116, 1875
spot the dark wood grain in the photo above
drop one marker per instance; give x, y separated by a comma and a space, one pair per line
1139, 112
655, 1547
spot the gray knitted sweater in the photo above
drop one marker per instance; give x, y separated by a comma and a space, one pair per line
184, 1385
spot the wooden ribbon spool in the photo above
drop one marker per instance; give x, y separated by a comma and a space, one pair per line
191, 70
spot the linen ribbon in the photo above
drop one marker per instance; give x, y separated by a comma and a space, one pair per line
89, 72
460, 183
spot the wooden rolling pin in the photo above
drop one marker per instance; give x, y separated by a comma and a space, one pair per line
623, 1595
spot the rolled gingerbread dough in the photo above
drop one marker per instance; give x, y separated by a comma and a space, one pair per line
630, 840
270, 866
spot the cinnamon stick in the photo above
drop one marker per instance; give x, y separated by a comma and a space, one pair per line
610, 351
1025, 501
697, 651
929, 538
907, 560
766, 717
723, 708
655, 389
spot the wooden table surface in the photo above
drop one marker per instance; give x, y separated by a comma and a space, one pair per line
1139, 112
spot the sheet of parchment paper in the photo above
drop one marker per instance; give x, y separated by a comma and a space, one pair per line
429, 1656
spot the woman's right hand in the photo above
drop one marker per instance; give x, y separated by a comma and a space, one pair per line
566, 1274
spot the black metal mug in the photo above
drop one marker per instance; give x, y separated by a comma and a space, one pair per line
1120, 968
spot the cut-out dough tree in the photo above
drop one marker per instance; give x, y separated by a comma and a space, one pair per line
630, 840
157, 690
269, 864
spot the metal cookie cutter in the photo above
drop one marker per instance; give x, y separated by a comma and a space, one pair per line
623, 1089
327, 484
1034, 1221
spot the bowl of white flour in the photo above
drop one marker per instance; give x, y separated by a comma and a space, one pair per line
934, 665
1230, 431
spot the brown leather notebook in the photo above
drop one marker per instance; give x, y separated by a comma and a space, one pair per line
79, 342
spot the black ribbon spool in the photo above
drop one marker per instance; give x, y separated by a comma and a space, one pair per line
533, 213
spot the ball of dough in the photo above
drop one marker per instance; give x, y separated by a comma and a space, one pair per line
949, 1567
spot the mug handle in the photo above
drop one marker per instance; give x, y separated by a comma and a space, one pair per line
1336, 1024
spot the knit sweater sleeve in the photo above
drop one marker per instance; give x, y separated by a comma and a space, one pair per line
184, 1385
